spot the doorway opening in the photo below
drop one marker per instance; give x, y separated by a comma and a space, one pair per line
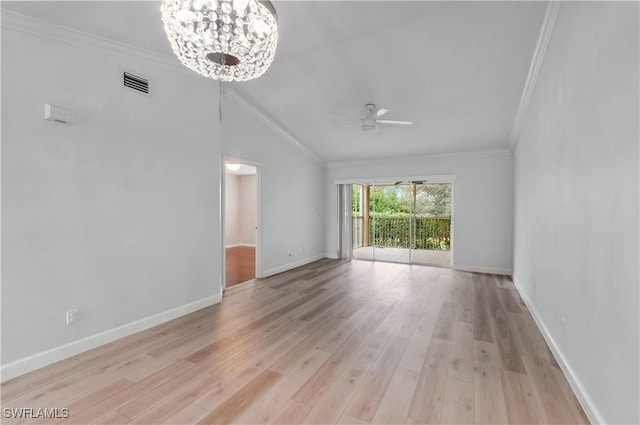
240, 222
402, 222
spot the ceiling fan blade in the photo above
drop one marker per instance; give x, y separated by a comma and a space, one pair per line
394, 122
381, 112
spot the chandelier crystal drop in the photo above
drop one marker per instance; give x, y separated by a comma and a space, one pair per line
227, 40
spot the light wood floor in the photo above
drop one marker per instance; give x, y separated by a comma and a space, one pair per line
240, 264
331, 342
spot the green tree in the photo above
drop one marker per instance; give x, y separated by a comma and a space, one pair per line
433, 200
355, 199
390, 200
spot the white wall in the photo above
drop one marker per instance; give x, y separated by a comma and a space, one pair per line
240, 210
576, 203
231, 210
116, 215
482, 203
247, 210
292, 189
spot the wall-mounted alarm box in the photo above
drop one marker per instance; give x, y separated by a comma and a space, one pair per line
58, 114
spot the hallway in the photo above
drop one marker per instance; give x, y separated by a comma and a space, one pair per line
240, 264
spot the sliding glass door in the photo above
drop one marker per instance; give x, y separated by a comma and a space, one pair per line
362, 250
432, 218
402, 222
391, 224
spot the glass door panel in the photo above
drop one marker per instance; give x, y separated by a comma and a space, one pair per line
364, 198
391, 207
402, 222
432, 224
360, 229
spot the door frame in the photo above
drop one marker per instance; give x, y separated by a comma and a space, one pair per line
434, 178
223, 200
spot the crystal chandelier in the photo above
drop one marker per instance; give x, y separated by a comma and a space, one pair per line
227, 40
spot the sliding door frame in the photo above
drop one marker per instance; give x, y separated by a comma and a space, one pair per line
427, 179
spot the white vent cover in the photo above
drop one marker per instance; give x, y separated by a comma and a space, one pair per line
135, 82
58, 114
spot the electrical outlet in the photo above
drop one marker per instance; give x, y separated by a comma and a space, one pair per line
72, 316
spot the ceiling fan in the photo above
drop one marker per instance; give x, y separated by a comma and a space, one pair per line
372, 119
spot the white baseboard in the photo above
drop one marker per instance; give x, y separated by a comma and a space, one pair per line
583, 397
333, 256
293, 265
482, 269
36, 361
241, 244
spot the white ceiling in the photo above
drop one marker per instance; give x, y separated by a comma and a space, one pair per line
456, 69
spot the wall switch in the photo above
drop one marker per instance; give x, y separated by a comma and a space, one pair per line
290, 253
72, 316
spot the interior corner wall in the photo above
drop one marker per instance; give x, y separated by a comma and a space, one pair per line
116, 215
291, 189
576, 204
482, 212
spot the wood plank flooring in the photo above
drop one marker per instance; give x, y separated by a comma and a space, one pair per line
330, 342
240, 264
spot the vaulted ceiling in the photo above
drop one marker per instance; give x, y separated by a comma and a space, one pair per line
456, 69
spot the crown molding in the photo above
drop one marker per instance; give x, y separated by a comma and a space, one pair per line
26, 24
270, 122
492, 153
29, 25
534, 69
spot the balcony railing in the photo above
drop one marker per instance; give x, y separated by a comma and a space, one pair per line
430, 233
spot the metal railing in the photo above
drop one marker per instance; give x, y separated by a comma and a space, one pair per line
432, 233
357, 232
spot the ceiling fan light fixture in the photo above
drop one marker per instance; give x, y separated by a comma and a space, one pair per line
368, 124
227, 40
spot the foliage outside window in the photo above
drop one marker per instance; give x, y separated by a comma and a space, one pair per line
392, 221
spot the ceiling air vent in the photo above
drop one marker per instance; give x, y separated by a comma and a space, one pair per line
135, 82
